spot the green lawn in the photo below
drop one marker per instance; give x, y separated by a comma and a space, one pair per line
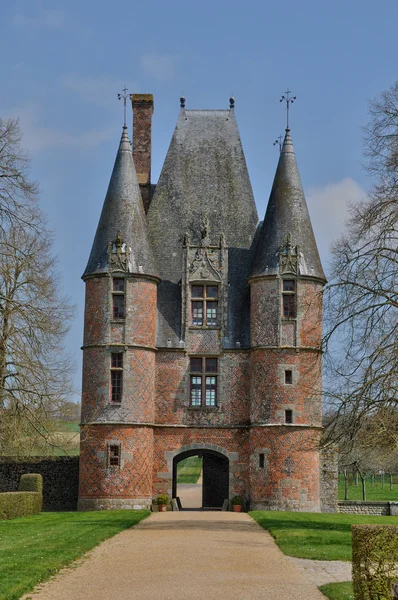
317, 536
373, 494
338, 591
189, 470
33, 548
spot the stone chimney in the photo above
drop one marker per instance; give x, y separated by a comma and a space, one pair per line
142, 136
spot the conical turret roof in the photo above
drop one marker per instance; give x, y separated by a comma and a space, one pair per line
122, 222
287, 226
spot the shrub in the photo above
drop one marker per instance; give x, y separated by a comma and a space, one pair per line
31, 482
374, 561
19, 504
236, 501
162, 499
27, 501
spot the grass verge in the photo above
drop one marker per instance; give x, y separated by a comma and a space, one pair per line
338, 591
34, 548
318, 536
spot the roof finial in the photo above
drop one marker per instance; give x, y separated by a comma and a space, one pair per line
279, 142
289, 100
182, 102
231, 102
124, 95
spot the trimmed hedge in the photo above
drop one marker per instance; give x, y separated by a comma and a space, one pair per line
31, 482
27, 501
374, 561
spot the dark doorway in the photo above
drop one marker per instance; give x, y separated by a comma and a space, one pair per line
215, 486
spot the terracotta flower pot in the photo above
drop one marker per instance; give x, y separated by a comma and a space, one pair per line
162, 507
237, 507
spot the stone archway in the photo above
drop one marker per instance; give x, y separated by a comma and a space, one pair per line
217, 471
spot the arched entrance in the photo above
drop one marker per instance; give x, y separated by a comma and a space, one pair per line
215, 476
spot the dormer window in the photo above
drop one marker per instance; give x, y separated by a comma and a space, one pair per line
289, 298
204, 305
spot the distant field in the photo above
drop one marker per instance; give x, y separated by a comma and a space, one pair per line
373, 494
60, 438
189, 470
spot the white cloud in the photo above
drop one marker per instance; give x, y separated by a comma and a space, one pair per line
328, 206
160, 67
51, 19
37, 137
101, 90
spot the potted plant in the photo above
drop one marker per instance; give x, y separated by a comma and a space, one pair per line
162, 501
237, 502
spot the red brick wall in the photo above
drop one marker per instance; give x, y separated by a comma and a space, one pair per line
271, 396
133, 479
96, 312
230, 440
172, 391
289, 479
142, 140
310, 313
264, 312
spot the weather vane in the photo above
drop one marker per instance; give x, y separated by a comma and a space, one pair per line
289, 100
279, 142
124, 95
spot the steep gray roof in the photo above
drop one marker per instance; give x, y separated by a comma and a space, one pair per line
122, 212
286, 213
204, 173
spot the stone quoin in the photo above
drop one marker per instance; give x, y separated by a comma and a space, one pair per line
203, 326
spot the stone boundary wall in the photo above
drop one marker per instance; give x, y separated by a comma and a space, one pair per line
357, 507
60, 478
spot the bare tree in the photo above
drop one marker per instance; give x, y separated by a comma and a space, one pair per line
361, 300
34, 317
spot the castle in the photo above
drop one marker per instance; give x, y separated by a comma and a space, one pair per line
203, 327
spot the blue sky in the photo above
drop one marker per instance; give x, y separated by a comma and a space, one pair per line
63, 64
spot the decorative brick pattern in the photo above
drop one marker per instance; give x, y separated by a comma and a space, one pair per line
207, 341
133, 479
143, 110
290, 477
264, 312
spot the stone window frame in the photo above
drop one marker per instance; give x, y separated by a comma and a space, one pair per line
116, 369
204, 374
112, 444
289, 416
204, 299
117, 295
288, 377
281, 370
288, 298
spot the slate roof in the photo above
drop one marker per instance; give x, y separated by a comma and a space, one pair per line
287, 212
204, 173
123, 212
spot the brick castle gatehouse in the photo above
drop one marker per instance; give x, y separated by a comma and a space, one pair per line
203, 327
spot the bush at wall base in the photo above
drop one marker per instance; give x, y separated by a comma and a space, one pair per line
27, 501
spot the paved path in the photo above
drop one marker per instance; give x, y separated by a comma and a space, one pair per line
323, 571
184, 556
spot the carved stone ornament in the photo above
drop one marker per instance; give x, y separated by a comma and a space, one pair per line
119, 254
289, 256
205, 265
